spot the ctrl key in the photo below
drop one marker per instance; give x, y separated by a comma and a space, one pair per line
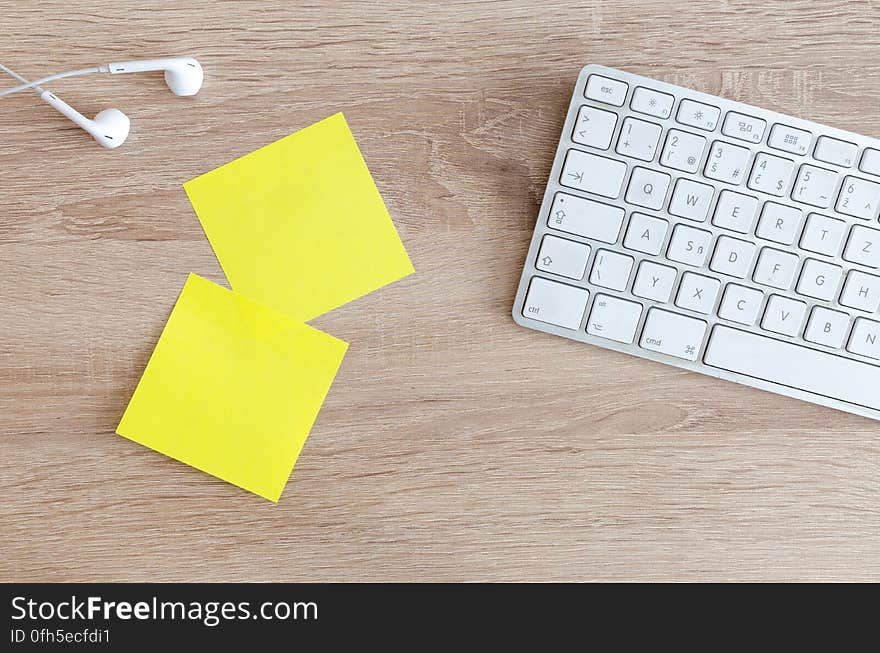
555, 303
673, 334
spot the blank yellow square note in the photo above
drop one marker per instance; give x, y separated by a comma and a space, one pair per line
299, 224
232, 388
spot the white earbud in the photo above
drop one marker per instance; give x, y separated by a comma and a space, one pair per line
183, 75
110, 127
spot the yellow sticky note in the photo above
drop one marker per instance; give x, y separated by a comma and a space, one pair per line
232, 388
299, 224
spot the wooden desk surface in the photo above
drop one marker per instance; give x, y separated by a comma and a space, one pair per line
454, 445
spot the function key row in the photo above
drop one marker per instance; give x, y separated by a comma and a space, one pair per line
736, 125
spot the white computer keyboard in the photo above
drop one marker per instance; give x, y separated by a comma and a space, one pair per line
712, 235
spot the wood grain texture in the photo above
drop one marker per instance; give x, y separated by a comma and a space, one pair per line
454, 445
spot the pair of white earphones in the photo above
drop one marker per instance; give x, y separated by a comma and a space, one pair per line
183, 75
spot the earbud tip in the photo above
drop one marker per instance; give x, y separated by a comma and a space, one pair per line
112, 127
186, 78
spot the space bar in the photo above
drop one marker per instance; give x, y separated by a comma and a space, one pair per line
794, 366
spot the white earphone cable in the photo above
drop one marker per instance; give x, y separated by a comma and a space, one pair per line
50, 78
34, 85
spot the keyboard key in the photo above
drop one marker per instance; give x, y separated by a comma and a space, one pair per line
827, 327
743, 127
859, 198
865, 341
645, 233
673, 334
691, 200
563, 257
779, 223
735, 211
870, 162
727, 163
697, 114
683, 151
795, 366
775, 268
783, 315
861, 291
740, 304
638, 139
555, 303
819, 279
732, 257
863, 246
614, 318
652, 103
584, 217
611, 270
689, 245
647, 188
593, 174
654, 281
594, 127
789, 139
604, 89
697, 293
831, 150
822, 234
814, 186
771, 174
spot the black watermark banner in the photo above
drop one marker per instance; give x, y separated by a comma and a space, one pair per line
111, 616
132, 617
